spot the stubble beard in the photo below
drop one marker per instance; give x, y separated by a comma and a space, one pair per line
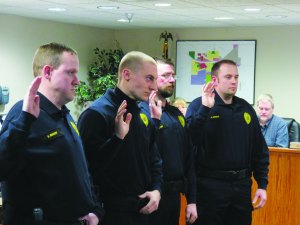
166, 93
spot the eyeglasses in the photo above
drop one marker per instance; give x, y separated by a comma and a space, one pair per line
168, 76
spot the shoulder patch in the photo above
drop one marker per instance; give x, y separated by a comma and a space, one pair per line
144, 119
181, 120
247, 117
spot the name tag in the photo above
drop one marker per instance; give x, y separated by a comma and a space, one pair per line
50, 136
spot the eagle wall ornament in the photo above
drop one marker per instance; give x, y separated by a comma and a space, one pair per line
166, 36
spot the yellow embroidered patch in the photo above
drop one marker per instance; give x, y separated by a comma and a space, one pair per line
74, 127
247, 117
215, 117
52, 134
181, 120
144, 119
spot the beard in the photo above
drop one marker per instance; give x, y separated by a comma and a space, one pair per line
166, 93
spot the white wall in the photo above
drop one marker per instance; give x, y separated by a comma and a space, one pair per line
20, 37
277, 54
277, 57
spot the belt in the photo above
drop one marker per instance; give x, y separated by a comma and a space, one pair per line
124, 204
80, 222
225, 174
171, 187
36, 218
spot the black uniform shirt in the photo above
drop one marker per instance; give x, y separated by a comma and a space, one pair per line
228, 137
43, 165
175, 148
126, 167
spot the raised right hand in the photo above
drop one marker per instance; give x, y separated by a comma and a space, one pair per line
208, 96
155, 106
31, 103
121, 123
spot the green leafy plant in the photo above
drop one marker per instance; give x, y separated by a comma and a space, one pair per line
102, 74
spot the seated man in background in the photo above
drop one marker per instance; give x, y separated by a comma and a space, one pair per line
273, 127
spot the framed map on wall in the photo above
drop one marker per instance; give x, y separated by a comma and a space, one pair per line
194, 60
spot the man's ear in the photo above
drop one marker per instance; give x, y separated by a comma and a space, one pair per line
126, 74
214, 78
47, 71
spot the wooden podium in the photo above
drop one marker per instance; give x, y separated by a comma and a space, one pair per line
283, 193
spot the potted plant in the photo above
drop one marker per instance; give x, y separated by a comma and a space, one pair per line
102, 74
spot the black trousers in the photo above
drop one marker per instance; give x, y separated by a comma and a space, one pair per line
224, 202
168, 210
24, 221
124, 218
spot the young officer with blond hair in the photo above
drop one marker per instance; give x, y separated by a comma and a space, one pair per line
120, 144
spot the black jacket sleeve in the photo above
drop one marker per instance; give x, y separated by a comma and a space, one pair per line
99, 140
196, 117
13, 138
260, 157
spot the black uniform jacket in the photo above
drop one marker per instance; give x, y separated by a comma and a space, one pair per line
228, 137
126, 167
43, 165
175, 148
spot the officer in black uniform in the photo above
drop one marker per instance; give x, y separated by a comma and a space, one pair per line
42, 161
120, 144
230, 148
176, 151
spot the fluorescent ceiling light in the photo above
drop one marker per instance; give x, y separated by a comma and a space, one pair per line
123, 21
223, 18
276, 16
57, 9
108, 7
252, 9
162, 4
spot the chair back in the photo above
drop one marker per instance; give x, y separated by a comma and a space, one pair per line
293, 129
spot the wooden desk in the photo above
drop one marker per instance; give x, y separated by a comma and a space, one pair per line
283, 191
282, 207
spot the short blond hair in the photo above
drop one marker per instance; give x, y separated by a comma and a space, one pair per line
133, 60
49, 54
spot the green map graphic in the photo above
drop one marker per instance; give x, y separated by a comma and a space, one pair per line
202, 63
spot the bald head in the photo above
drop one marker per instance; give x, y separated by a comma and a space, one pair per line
133, 61
137, 75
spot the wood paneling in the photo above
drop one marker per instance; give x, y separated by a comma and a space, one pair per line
283, 193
